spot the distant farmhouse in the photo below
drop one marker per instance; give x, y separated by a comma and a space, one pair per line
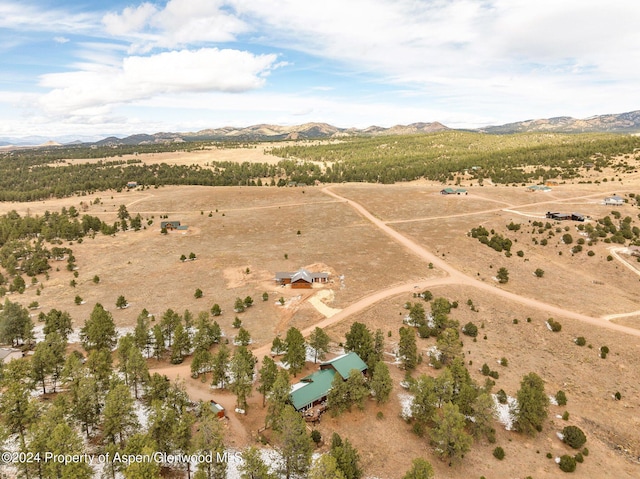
453, 191
614, 200
533, 188
301, 279
172, 225
313, 389
565, 216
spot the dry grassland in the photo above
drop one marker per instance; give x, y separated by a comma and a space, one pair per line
253, 228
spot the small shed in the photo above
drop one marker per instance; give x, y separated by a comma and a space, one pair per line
170, 225
217, 409
132, 184
614, 200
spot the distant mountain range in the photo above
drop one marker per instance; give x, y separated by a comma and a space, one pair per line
619, 123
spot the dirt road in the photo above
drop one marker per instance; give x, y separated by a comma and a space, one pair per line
457, 277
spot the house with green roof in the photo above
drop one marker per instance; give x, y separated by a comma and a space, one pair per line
453, 191
314, 388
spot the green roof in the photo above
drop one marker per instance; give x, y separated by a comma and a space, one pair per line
311, 388
345, 363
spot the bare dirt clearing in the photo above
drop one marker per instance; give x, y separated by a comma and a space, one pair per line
251, 154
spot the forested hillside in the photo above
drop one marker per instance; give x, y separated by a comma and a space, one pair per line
35, 174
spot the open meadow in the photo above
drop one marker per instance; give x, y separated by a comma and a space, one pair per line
242, 236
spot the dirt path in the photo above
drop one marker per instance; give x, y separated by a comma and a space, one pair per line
457, 277
238, 435
614, 253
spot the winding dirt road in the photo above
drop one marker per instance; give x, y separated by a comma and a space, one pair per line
198, 390
454, 277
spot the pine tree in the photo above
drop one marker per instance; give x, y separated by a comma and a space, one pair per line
424, 402
360, 341
15, 324
209, 439
266, 377
277, 399
420, 469
141, 445
141, 333
17, 409
138, 369
449, 345
170, 319
158, 342
253, 467
448, 434
533, 405
242, 365
119, 418
381, 383
407, 348
59, 321
347, 458
99, 331
181, 344
295, 445
219, 367
319, 342
201, 362
296, 352
325, 467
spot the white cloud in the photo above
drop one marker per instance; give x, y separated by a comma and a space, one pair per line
178, 24
131, 20
61, 39
206, 69
473, 49
23, 17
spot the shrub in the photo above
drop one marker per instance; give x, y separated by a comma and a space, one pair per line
549, 455
565, 416
316, 437
580, 341
579, 458
585, 452
554, 325
609, 258
470, 329
591, 253
567, 463
498, 453
494, 374
515, 321
504, 362
561, 398
485, 369
502, 396
617, 395
574, 437
539, 272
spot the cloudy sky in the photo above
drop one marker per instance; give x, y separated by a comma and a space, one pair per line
83, 68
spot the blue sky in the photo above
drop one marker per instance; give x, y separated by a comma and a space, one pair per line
83, 68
